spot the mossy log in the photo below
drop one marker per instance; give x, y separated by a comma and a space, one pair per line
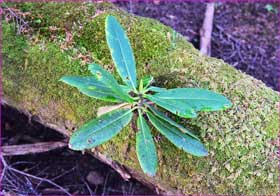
241, 140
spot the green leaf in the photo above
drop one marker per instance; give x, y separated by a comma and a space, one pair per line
172, 122
147, 80
100, 130
92, 87
179, 139
125, 88
175, 106
156, 89
269, 7
121, 51
145, 147
38, 21
106, 78
141, 87
197, 98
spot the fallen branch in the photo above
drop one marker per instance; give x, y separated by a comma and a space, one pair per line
31, 148
206, 30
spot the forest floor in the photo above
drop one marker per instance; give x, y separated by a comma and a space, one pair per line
244, 35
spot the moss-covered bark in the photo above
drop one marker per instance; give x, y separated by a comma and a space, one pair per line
241, 140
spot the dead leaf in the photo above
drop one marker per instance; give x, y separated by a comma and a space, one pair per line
69, 37
106, 109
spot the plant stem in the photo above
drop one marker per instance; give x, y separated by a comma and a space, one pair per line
136, 98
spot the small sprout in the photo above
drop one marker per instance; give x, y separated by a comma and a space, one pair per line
271, 8
141, 98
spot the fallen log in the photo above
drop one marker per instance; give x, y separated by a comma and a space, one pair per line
241, 141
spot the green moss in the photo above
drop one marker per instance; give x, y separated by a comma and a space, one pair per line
56, 18
37, 71
148, 43
13, 55
272, 126
242, 158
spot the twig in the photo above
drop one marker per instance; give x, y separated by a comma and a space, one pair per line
19, 22
105, 183
31, 148
63, 174
3, 171
8, 168
206, 30
88, 188
15, 15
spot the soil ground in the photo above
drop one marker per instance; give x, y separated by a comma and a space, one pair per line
244, 35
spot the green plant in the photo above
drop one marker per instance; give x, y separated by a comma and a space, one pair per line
271, 8
142, 99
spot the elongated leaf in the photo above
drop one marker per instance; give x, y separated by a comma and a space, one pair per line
172, 122
141, 86
125, 88
106, 78
197, 98
145, 147
179, 139
92, 87
121, 51
106, 109
179, 108
100, 130
147, 80
157, 89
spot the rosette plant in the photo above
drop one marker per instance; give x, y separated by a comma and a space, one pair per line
142, 99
